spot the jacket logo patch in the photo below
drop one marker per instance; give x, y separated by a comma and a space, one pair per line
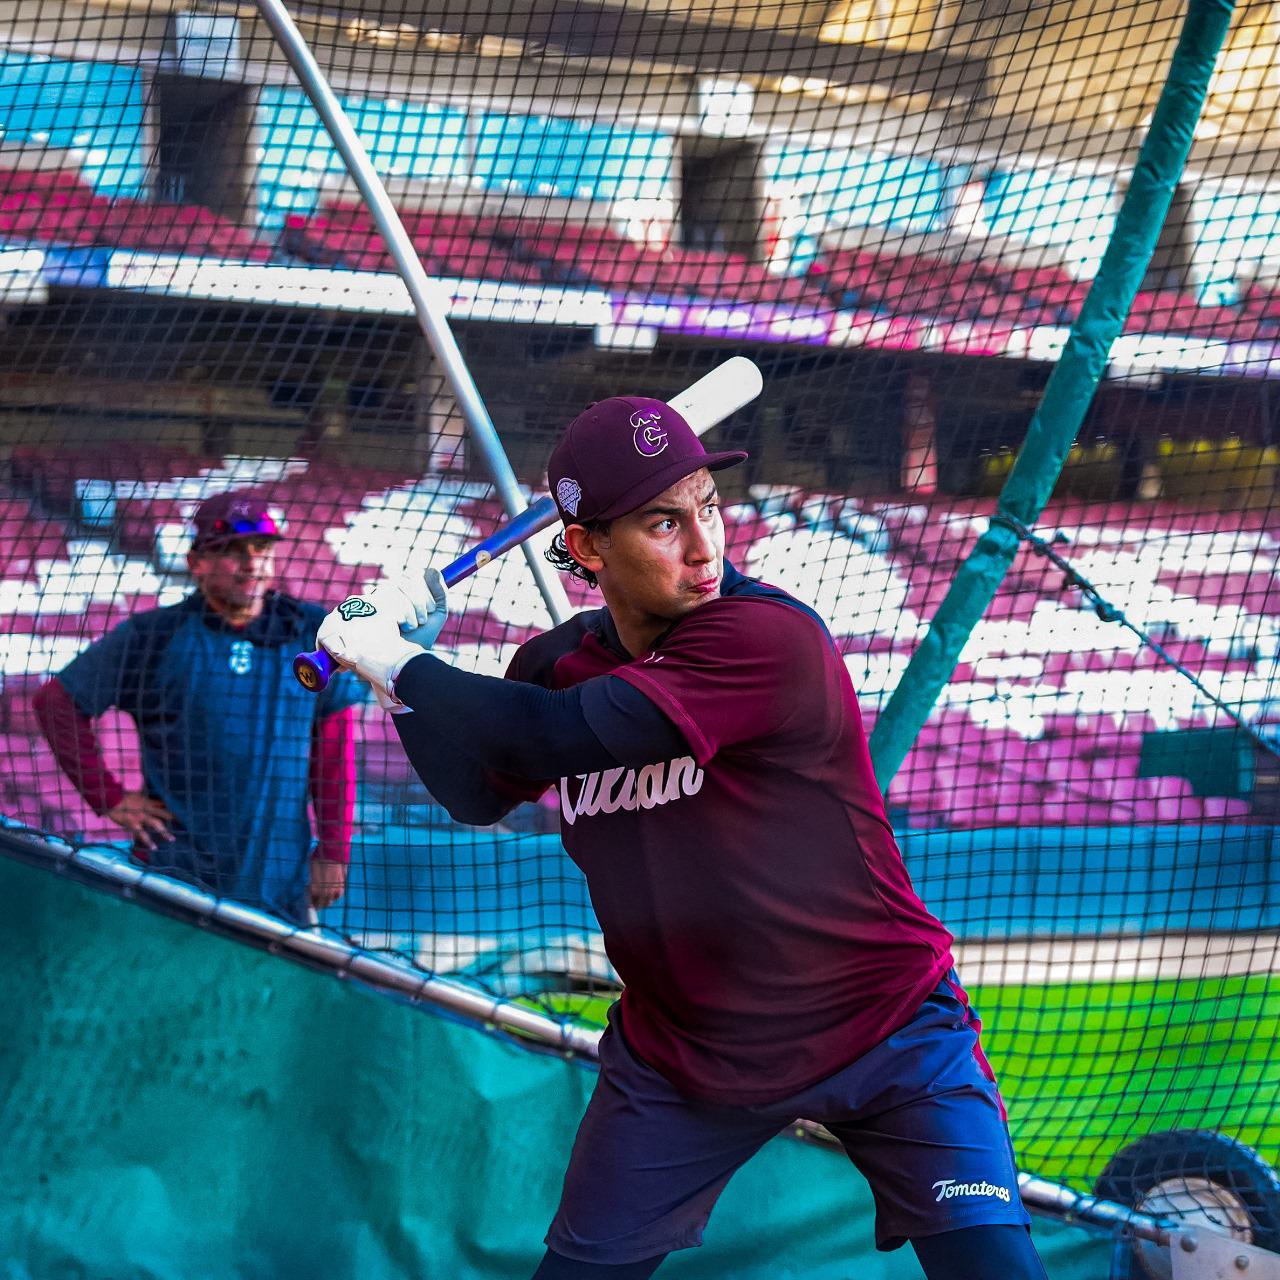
240, 660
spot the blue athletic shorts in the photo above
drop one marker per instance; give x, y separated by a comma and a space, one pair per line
919, 1115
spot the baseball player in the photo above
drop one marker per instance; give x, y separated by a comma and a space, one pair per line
232, 747
716, 790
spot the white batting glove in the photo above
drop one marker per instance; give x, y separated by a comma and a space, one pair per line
426, 606
363, 635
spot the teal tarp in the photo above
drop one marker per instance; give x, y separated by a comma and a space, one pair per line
179, 1106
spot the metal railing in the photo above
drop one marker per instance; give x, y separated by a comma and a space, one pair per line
320, 948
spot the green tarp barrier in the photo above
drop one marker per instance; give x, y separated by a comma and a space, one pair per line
177, 1106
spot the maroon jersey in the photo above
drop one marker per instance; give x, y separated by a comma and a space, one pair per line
752, 896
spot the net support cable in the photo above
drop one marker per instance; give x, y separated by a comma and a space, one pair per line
427, 303
1109, 612
108, 872
1070, 388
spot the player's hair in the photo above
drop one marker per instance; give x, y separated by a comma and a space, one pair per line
558, 554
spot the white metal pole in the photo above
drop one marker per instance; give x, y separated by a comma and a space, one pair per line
427, 298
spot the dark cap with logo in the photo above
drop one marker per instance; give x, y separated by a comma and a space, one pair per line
619, 453
225, 517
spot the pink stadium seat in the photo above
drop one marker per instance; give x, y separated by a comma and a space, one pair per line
1224, 809
17, 715
137, 520
184, 229
970, 290
61, 208
312, 571
380, 757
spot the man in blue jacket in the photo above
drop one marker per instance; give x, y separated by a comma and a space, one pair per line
232, 747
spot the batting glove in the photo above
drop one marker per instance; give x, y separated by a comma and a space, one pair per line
426, 606
363, 635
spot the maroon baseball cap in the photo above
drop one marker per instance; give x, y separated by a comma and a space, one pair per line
619, 453
231, 515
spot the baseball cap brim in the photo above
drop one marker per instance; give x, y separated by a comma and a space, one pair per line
226, 532
663, 478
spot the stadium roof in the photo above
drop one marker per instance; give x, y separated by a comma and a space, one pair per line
1076, 77
1072, 78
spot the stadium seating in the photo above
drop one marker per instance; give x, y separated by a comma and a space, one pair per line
56, 207
531, 251
1042, 721
969, 289
345, 235
27, 538
996, 752
574, 254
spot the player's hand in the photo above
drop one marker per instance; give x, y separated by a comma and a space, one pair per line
328, 882
144, 818
425, 608
363, 635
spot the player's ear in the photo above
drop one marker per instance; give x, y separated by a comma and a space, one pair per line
581, 542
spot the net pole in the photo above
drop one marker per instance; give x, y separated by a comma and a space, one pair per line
428, 301
1070, 387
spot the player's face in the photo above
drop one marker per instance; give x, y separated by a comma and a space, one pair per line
661, 562
235, 578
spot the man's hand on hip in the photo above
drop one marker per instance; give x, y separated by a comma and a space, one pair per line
144, 818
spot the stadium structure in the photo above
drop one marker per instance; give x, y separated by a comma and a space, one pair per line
1011, 273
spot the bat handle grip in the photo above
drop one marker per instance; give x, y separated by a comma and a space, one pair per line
314, 670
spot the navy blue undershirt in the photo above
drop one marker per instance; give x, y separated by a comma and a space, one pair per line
465, 726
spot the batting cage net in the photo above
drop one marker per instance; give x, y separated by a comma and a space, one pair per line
898, 210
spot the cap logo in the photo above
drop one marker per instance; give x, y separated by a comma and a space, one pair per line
569, 495
650, 438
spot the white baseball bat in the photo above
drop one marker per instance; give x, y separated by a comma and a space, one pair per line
709, 401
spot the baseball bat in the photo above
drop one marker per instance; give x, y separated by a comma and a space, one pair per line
709, 401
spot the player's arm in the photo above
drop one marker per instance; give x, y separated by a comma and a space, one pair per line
467, 732
526, 731
332, 783
372, 637
474, 740
71, 736
468, 791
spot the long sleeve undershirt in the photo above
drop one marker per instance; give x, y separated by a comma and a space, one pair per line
467, 728
75, 746
331, 780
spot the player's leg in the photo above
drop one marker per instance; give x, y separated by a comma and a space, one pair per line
978, 1253
921, 1117
556, 1267
647, 1167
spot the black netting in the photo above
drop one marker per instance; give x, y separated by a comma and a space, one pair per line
896, 210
